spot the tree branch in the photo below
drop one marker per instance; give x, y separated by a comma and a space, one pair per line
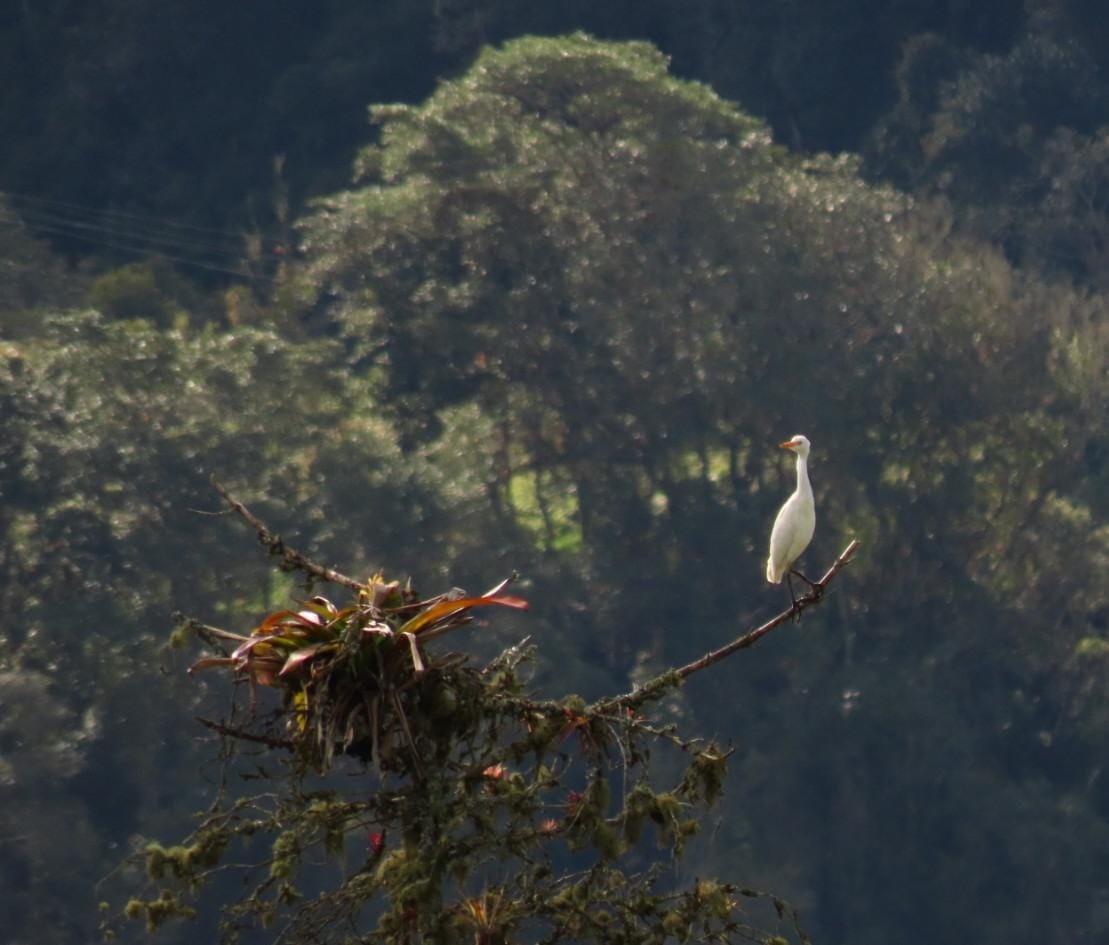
276, 546
229, 730
215, 637
642, 693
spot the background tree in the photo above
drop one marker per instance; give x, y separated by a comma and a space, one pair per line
566, 226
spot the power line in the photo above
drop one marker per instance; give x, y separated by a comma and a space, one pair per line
107, 213
201, 247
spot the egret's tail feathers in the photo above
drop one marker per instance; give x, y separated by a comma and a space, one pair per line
774, 577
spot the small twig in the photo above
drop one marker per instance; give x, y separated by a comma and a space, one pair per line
232, 732
399, 709
643, 692
209, 634
277, 547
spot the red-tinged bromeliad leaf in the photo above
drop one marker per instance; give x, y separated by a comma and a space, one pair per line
207, 662
448, 607
298, 657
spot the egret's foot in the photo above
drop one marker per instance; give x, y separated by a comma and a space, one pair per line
816, 590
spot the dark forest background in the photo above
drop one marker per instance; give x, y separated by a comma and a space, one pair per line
551, 309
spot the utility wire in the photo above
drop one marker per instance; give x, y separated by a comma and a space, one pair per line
140, 234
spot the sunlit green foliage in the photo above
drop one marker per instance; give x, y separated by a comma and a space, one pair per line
111, 430
557, 326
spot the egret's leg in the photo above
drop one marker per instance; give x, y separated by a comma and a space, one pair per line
793, 597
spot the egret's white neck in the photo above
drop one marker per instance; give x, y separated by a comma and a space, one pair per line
803, 475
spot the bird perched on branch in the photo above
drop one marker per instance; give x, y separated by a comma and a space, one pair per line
794, 526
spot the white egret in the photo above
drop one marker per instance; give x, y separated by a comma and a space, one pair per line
794, 526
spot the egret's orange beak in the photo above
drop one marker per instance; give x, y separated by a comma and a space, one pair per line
787, 445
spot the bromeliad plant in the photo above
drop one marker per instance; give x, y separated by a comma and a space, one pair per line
344, 671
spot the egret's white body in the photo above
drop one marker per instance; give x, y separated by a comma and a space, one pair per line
796, 521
